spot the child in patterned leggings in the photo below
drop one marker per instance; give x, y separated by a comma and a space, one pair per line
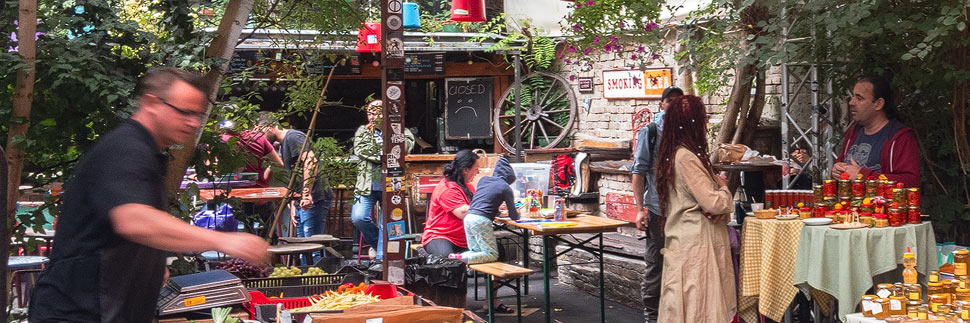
490, 193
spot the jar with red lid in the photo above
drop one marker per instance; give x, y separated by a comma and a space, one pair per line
858, 188
829, 188
896, 217
913, 215
912, 197
819, 210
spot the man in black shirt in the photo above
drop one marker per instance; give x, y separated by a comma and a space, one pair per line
113, 234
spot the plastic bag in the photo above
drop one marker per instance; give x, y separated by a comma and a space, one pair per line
220, 219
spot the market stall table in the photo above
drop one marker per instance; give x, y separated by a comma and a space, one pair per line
254, 195
858, 318
768, 248
583, 224
306, 249
842, 263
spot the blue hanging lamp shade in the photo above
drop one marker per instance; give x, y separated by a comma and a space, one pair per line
412, 17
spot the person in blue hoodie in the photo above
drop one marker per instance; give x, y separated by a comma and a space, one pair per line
490, 193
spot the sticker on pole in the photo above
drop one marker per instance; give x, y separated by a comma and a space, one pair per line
396, 200
394, 22
395, 47
393, 92
394, 6
397, 213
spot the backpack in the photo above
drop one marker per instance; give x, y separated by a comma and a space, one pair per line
564, 174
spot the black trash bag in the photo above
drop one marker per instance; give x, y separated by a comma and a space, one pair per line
435, 271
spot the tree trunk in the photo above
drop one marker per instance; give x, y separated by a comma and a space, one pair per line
20, 121
237, 12
5, 242
23, 95
740, 95
749, 121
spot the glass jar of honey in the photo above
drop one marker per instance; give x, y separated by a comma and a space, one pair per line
899, 196
897, 305
858, 188
924, 312
948, 289
867, 302
912, 309
961, 261
937, 300
934, 276
964, 309
912, 196
962, 294
884, 290
913, 215
914, 293
880, 308
942, 309
896, 217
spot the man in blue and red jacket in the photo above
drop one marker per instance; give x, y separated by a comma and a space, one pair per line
876, 142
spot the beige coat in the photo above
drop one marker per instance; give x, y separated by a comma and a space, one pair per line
698, 276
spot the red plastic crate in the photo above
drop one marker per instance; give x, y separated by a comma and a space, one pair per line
257, 298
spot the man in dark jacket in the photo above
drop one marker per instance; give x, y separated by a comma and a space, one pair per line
876, 143
648, 207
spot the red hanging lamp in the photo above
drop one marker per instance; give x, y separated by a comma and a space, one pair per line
468, 10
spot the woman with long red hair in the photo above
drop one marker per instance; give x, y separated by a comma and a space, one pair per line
698, 277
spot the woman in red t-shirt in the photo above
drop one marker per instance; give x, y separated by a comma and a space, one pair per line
444, 231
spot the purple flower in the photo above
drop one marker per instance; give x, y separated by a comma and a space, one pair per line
572, 77
571, 49
618, 48
641, 49
576, 27
622, 25
579, 5
596, 40
587, 51
568, 61
608, 47
650, 26
634, 56
590, 3
655, 56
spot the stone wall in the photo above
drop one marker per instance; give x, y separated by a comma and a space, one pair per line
622, 276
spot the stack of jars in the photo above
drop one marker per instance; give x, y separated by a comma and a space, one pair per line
874, 200
945, 300
787, 198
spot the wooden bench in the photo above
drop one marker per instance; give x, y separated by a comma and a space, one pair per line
503, 273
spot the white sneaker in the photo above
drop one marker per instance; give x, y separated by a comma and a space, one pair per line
371, 253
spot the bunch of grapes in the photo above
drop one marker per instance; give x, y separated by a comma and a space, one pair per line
244, 269
314, 271
285, 272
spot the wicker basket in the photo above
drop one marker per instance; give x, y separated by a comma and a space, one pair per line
766, 214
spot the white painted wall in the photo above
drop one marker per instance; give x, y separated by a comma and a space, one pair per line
544, 14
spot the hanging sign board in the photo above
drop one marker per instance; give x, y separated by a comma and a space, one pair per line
636, 84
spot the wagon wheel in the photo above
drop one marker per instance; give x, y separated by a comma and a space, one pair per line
548, 112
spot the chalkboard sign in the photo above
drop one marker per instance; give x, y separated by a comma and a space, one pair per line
424, 63
241, 59
468, 108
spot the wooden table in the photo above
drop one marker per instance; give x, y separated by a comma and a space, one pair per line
306, 249
255, 195
584, 224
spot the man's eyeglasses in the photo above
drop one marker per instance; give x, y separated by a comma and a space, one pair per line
184, 112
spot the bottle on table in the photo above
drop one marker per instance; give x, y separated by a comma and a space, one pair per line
909, 272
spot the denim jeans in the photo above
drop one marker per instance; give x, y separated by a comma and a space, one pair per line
312, 221
360, 215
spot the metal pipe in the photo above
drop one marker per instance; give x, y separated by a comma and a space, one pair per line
518, 109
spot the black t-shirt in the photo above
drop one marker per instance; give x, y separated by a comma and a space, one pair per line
94, 274
290, 153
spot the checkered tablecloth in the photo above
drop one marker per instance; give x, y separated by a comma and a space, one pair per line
768, 253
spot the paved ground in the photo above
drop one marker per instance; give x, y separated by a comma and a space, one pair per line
569, 304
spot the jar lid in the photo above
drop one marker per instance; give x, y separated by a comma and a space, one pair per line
935, 284
961, 252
